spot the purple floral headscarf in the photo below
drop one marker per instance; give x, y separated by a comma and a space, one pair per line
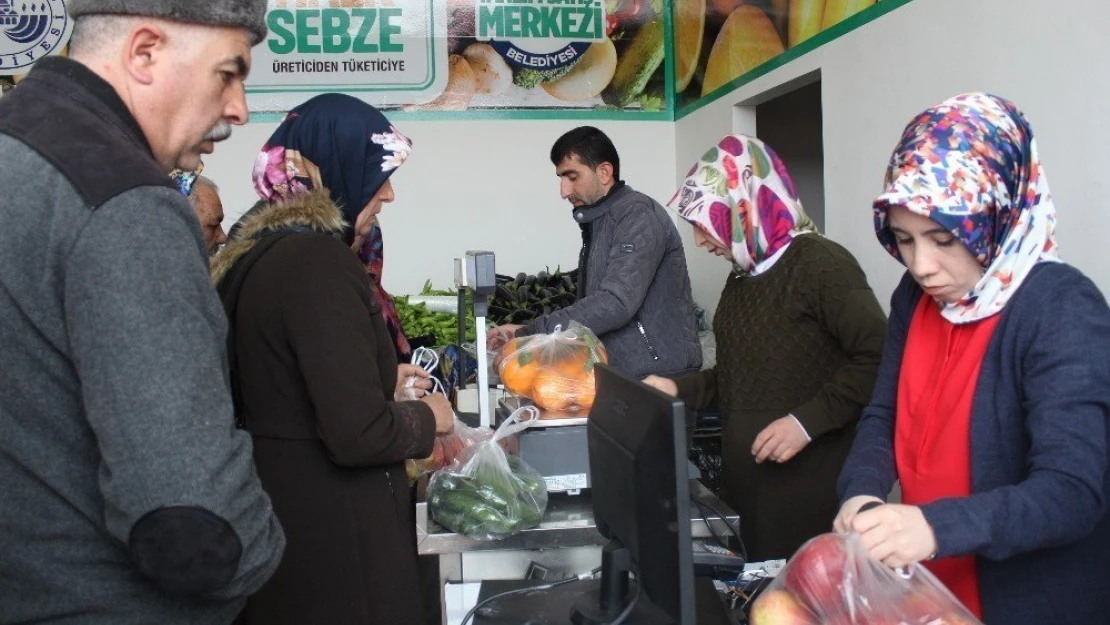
971, 165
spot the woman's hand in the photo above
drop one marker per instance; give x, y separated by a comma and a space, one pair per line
780, 441
444, 414
848, 512
895, 534
664, 384
419, 387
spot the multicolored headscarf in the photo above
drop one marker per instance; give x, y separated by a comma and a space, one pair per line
971, 165
186, 180
740, 193
342, 144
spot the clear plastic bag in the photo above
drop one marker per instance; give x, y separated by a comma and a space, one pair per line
831, 580
446, 448
556, 371
487, 494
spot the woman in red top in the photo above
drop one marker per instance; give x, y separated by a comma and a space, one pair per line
991, 407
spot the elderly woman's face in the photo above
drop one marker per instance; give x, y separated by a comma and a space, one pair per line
939, 262
368, 217
710, 244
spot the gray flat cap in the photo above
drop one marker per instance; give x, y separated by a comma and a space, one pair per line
246, 14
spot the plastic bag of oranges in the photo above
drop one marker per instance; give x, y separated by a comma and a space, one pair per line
555, 371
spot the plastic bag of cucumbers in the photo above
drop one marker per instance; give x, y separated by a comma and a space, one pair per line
487, 494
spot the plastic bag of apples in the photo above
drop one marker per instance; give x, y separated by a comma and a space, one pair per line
446, 448
831, 580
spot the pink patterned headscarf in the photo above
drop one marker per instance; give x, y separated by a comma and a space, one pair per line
740, 194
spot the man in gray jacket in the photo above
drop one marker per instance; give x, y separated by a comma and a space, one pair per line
126, 493
633, 286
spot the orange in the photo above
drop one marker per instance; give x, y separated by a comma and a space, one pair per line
573, 366
508, 349
586, 393
600, 355
518, 372
553, 391
837, 11
805, 20
550, 391
689, 30
747, 40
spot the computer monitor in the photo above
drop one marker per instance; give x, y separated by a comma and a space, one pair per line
641, 493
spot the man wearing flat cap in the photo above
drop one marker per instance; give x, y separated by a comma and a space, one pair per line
126, 493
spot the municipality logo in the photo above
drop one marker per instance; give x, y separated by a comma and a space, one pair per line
29, 30
540, 34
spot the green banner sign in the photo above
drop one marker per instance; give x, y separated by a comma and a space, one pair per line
630, 59
465, 55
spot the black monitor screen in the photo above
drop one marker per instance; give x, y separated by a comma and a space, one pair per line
637, 443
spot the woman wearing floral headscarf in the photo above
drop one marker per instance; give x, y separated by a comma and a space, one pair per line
991, 407
799, 338
314, 371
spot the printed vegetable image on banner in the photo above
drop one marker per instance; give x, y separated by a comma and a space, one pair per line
719, 41
457, 55
554, 54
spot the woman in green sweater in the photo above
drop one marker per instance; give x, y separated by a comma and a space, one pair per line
799, 338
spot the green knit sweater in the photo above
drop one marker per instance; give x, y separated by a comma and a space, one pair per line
805, 339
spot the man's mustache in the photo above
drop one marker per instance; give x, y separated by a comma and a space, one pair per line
219, 132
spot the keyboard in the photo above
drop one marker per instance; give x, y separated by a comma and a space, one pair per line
709, 553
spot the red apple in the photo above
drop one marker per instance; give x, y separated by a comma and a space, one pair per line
779, 607
439, 454
815, 574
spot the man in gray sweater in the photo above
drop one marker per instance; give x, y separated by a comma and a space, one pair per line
126, 493
633, 286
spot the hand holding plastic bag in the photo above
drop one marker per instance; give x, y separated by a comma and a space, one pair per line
447, 448
832, 581
555, 370
487, 494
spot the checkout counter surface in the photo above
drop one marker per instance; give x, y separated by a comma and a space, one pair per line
567, 539
568, 522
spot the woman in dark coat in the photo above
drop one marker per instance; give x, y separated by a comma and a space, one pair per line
799, 336
315, 372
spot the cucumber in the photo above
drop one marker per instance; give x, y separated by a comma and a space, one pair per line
636, 65
458, 502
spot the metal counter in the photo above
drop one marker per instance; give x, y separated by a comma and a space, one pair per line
566, 540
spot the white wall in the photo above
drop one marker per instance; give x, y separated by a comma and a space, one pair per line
791, 123
1048, 57
482, 184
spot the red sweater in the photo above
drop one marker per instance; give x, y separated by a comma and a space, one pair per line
932, 438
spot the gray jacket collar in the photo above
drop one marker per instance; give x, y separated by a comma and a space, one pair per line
592, 212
